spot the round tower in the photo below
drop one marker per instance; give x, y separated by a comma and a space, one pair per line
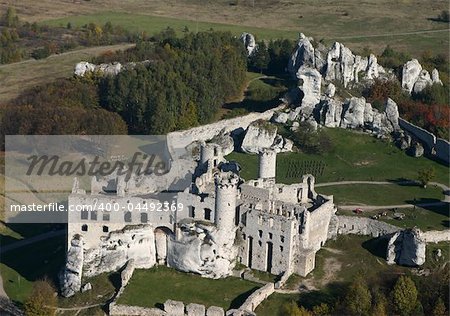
206, 153
267, 164
226, 196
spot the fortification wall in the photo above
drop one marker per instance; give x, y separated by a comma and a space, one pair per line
363, 226
436, 235
256, 298
181, 139
431, 143
316, 226
442, 149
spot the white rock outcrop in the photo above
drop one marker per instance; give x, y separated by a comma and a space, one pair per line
249, 42
203, 249
70, 277
258, 135
435, 77
407, 248
410, 74
303, 55
135, 242
311, 82
423, 81
353, 113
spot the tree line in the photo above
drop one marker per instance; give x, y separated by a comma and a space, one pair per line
184, 83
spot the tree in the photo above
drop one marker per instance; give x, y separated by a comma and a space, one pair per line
444, 16
292, 309
42, 300
404, 296
425, 175
358, 299
380, 304
439, 308
260, 59
10, 19
321, 310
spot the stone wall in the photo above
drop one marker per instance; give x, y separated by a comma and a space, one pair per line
256, 298
181, 139
363, 226
438, 146
125, 310
436, 235
171, 308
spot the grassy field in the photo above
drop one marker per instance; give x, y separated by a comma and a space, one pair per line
261, 93
188, 288
389, 194
267, 18
14, 78
20, 267
338, 263
357, 32
355, 156
429, 218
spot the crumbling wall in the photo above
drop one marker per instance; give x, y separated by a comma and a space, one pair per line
181, 139
436, 235
363, 226
257, 297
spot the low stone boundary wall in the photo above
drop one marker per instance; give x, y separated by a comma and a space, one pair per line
437, 146
435, 236
252, 302
363, 226
171, 308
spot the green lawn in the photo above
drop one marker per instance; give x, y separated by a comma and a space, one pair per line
338, 263
20, 267
384, 194
348, 23
149, 288
429, 218
155, 24
356, 156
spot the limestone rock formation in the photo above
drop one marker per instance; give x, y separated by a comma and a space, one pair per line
70, 277
416, 150
302, 56
258, 135
338, 63
311, 81
407, 248
225, 141
353, 116
410, 74
203, 249
83, 67
281, 117
392, 115
422, 81
249, 42
435, 77
135, 242
331, 113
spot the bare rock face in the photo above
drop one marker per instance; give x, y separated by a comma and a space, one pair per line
354, 113
249, 42
303, 55
225, 141
406, 248
83, 67
435, 77
70, 277
203, 249
410, 74
135, 242
416, 150
331, 113
392, 115
311, 81
258, 135
422, 82
281, 117
330, 91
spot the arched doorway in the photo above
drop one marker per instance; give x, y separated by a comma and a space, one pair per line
162, 235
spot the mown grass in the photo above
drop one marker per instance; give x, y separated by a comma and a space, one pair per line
150, 288
356, 156
385, 194
21, 267
429, 218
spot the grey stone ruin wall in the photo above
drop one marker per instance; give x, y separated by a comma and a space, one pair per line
362, 226
430, 142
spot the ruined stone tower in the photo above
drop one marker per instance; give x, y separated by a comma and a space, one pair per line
226, 196
267, 164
